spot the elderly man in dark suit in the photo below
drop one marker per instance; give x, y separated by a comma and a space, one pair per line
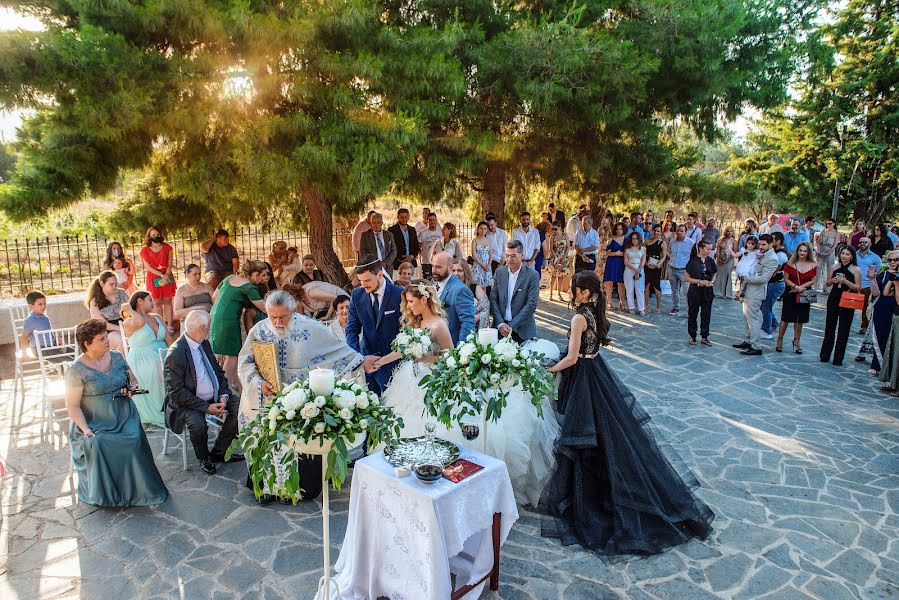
405, 238
513, 299
379, 243
195, 386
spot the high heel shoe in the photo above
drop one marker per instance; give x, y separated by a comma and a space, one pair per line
780, 345
796, 347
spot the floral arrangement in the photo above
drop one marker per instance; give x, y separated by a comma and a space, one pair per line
297, 416
476, 373
412, 343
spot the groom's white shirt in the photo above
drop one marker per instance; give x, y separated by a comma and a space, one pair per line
513, 281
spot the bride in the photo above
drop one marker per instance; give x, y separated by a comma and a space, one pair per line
520, 438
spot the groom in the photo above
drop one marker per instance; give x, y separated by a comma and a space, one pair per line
513, 299
374, 320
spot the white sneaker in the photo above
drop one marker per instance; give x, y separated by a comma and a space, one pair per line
766, 336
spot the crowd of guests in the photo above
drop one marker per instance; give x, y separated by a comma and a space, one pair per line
495, 280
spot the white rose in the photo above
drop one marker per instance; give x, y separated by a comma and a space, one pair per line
344, 398
416, 350
485, 358
506, 351
525, 353
516, 363
273, 413
363, 423
466, 350
309, 411
346, 414
319, 401
494, 378
464, 360
291, 414
533, 371
319, 427
362, 402
272, 424
372, 397
451, 362
403, 339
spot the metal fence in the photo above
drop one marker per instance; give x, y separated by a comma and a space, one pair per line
69, 264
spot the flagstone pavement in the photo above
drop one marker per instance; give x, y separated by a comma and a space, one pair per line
799, 461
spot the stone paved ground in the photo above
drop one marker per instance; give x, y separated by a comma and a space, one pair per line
800, 462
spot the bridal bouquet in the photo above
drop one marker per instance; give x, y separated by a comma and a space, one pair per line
412, 343
297, 417
474, 376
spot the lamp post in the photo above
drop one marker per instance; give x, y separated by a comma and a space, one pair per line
836, 189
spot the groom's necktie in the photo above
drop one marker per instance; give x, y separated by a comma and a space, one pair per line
375, 303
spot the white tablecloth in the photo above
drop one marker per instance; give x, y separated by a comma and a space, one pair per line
404, 537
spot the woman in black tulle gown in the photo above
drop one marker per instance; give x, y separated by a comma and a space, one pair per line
613, 490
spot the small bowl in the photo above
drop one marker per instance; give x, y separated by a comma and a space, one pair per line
428, 473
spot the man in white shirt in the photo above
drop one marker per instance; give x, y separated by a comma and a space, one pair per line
361, 227
574, 223
693, 232
529, 238
426, 239
497, 239
771, 225
513, 298
423, 224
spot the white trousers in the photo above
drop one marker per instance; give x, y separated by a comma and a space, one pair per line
633, 286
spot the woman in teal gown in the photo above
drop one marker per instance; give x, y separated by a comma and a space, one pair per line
110, 451
146, 333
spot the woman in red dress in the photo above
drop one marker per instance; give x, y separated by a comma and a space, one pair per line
799, 278
157, 257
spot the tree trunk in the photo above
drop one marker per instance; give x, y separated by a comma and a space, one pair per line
493, 195
321, 228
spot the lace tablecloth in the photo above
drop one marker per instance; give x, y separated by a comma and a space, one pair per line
403, 537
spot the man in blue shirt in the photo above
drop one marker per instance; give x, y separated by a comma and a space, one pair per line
638, 225
585, 245
680, 255
869, 264
794, 237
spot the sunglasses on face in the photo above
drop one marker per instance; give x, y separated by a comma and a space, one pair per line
892, 259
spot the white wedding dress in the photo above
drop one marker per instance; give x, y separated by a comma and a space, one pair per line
520, 438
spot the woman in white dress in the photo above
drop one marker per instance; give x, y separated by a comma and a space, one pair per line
520, 438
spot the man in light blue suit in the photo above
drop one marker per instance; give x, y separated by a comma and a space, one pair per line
455, 297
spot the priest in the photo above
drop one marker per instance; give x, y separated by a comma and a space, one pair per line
300, 344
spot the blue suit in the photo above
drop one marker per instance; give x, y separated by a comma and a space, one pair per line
371, 334
458, 304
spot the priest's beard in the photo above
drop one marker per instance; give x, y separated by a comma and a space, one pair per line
281, 332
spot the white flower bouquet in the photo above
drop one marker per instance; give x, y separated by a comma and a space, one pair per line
460, 382
412, 343
297, 417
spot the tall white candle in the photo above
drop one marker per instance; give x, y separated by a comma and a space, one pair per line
321, 381
488, 336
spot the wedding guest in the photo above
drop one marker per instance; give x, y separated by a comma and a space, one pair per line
448, 243
158, 258
405, 239
193, 294
360, 228
700, 275
669, 217
884, 308
669, 230
725, 250
880, 241
809, 227
656, 256
291, 267
234, 293
104, 301
799, 274
36, 322
308, 272
636, 224
754, 290
147, 335
844, 276
771, 225
868, 265
404, 274
775, 289
530, 240
555, 215
456, 299
747, 259
195, 386
341, 306
555, 248
679, 251
574, 223
513, 299
860, 230
380, 243
481, 253
427, 237
711, 234
826, 242
497, 238
889, 373
794, 237
692, 231
424, 224
220, 256
605, 238
110, 452
634, 261
125, 272
586, 243
749, 230
481, 299
316, 299
278, 258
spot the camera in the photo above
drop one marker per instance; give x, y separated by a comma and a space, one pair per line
894, 276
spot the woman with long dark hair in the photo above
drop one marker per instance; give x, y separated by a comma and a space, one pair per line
880, 241
158, 258
104, 301
844, 277
613, 491
146, 333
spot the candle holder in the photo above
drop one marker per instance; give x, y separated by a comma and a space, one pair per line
488, 336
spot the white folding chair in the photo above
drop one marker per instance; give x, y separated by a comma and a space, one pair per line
215, 424
26, 364
56, 349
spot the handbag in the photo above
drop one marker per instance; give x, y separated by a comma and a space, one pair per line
808, 296
852, 300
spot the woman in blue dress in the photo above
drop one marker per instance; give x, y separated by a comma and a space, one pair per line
110, 451
147, 335
614, 272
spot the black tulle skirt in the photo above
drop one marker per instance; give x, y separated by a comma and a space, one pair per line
614, 490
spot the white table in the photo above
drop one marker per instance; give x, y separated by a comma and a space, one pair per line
404, 538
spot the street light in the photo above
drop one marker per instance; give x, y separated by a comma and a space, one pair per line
836, 189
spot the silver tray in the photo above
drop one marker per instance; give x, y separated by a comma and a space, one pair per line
407, 452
